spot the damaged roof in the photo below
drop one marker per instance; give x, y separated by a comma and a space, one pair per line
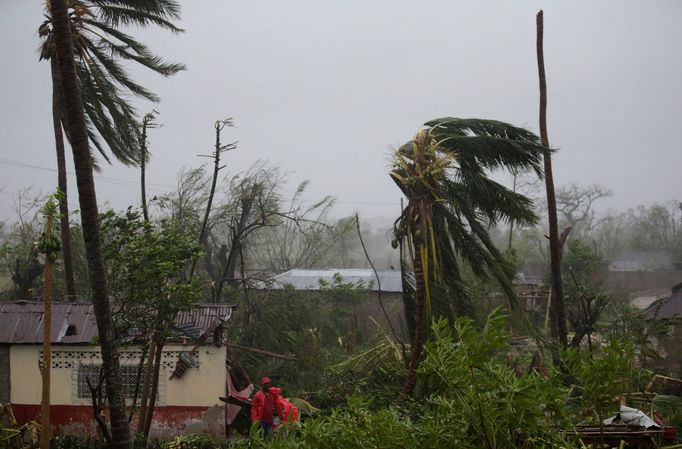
21, 322
666, 308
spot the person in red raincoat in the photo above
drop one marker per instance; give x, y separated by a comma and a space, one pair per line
285, 411
263, 407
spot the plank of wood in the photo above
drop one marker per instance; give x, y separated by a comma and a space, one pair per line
262, 352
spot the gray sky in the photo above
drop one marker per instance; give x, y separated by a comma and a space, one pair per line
323, 89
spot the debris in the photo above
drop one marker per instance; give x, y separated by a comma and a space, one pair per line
632, 417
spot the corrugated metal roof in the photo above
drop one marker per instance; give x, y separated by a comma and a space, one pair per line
21, 322
666, 308
202, 318
310, 279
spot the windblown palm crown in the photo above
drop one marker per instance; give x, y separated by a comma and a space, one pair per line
452, 203
100, 48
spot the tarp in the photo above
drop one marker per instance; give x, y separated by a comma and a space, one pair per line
232, 410
632, 417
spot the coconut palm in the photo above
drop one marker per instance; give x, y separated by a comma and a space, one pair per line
74, 106
99, 49
443, 173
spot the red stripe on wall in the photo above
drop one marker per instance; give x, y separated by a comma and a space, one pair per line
168, 421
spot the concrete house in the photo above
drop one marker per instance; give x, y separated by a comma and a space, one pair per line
188, 400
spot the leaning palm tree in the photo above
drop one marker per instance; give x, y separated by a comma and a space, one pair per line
99, 48
443, 173
83, 162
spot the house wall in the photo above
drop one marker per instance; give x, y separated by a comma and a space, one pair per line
669, 349
633, 281
185, 405
4, 374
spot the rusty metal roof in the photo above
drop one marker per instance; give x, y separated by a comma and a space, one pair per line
666, 308
202, 318
21, 322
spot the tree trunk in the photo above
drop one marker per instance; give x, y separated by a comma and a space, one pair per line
144, 400
61, 180
139, 376
154, 389
230, 265
510, 248
214, 181
45, 427
90, 222
143, 161
418, 340
558, 312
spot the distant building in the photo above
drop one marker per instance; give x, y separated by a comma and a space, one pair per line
367, 312
532, 294
389, 280
642, 261
187, 403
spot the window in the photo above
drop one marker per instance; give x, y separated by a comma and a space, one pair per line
92, 372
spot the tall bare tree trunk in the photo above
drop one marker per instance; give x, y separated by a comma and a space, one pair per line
61, 180
45, 427
149, 366
154, 388
418, 340
143, 162
90, 221
219, 148
557, 302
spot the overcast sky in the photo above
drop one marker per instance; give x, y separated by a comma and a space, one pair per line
323, 89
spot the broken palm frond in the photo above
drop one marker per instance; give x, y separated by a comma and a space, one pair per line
399, 352
14, 436
303, 405
664, 379
384, 351
192, 440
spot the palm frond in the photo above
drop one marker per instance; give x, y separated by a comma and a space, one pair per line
444, 174
130, 49
100, 48
114, 70
129, 15
168, 9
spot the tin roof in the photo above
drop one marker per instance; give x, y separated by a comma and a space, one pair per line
310, 279
666, 308
21, 322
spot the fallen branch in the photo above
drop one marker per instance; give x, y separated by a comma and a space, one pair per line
262, 352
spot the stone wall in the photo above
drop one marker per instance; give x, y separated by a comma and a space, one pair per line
637, 281
4, 374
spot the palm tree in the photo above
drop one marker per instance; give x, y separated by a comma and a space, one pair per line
73, 106
443, 173
99, 48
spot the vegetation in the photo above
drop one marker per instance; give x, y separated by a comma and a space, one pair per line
455, 373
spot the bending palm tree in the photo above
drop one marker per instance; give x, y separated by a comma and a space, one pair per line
90, 220
451, 203
98, 48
